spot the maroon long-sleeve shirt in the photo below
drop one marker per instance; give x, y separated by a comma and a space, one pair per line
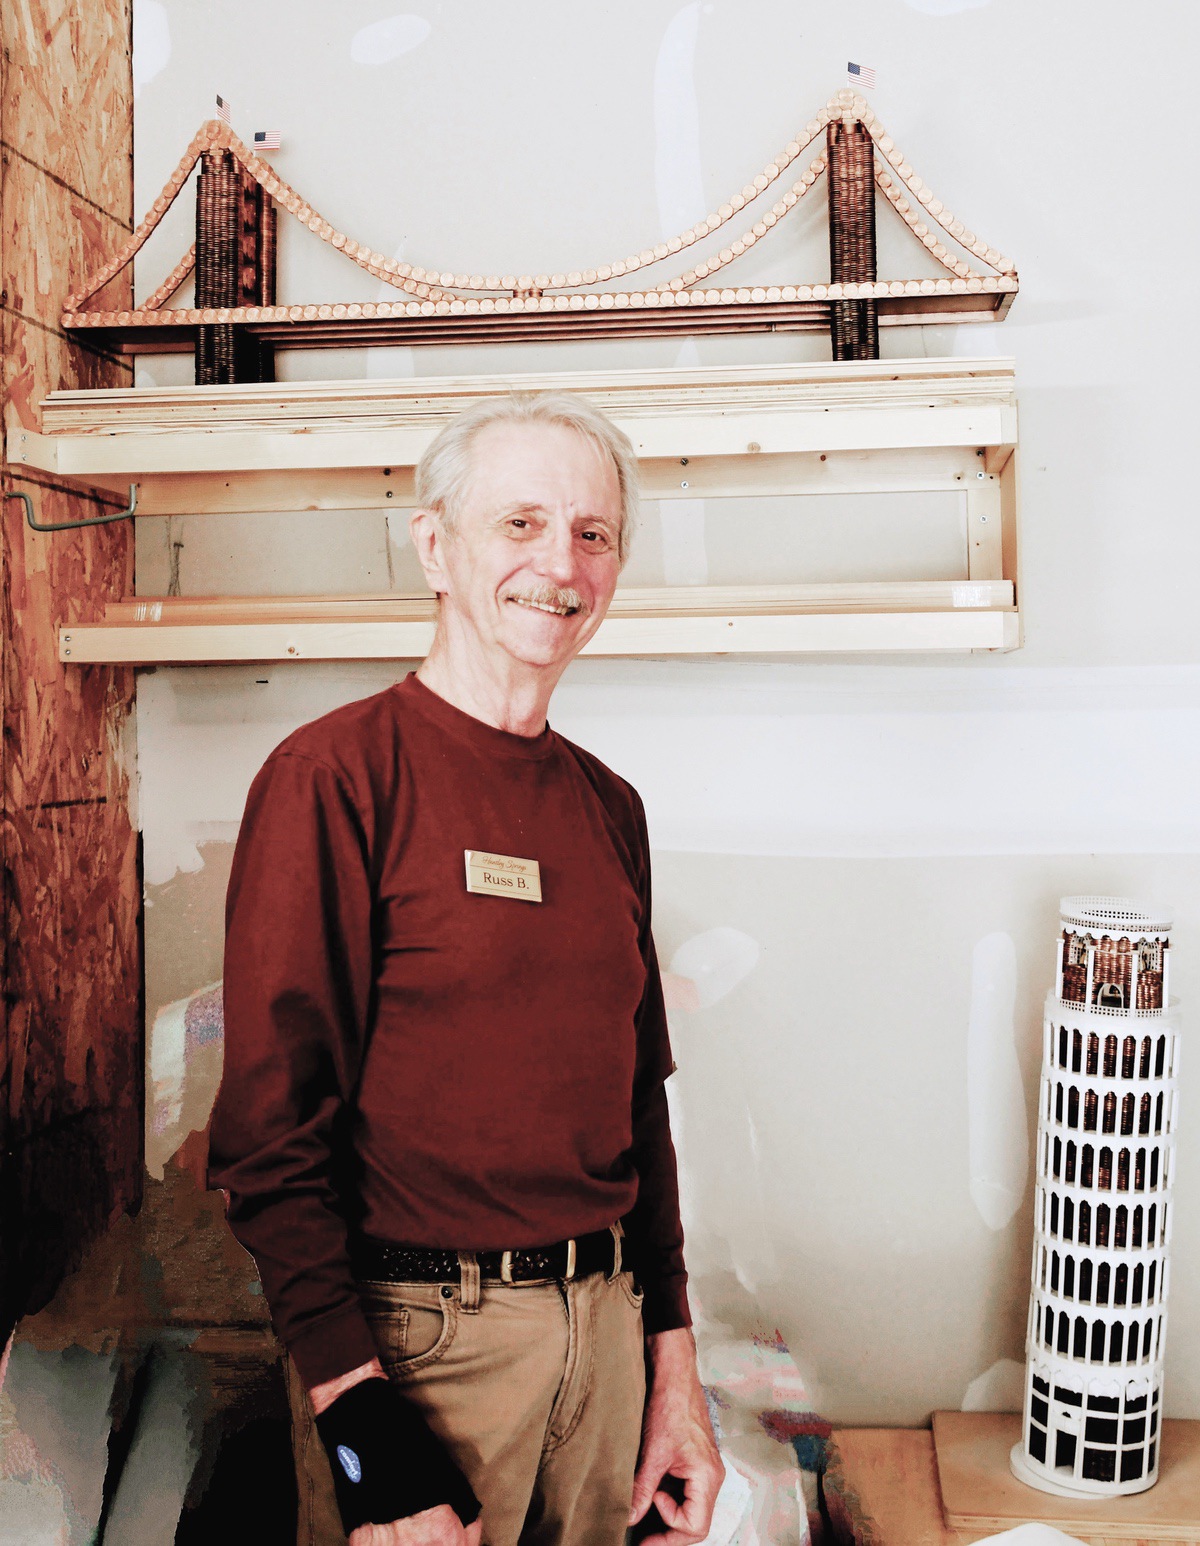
422, 1062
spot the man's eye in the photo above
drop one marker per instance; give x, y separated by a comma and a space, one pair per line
595, 537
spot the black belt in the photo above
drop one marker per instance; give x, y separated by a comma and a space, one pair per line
386, 1261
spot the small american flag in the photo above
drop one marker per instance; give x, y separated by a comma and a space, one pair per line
222, 110
266, 139
861, 75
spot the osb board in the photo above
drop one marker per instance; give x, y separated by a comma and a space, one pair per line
38, 360
71, 1059
881, 1488
73, 1039
69, 96
52, 239
982, 1495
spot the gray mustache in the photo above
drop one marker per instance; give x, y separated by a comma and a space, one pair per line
551, 596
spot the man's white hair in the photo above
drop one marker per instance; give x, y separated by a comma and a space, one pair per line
445, 470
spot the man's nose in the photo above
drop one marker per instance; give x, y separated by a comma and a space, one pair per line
557, 556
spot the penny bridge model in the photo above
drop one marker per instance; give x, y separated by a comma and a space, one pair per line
942, 433
236, 324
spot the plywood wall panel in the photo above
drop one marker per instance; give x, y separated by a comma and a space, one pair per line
71, 859
38, 360
71, 1062
71, 851
53, 239
70, 95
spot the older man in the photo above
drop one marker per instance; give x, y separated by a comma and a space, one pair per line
442, 1127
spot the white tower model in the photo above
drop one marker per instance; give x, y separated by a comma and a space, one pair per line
1102, 1223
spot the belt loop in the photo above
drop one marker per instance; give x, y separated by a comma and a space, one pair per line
617, 1232
468, 1267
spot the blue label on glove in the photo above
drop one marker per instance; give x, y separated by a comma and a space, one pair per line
350, 1463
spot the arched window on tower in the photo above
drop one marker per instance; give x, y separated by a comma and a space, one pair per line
1087, 1161
1110, 1057
1102, 1224
1093, 1052
1103, 1276
1116, 1340
1128, 1057
1104, 1170
1120, 1227
1110, 1112
1085, 1279
1144, 1065
1073, 1106
1068, 1221
1127, 1113
1085, 1223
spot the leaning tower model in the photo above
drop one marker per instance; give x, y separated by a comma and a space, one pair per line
1102, 1222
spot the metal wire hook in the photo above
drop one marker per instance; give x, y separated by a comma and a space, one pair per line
94, 520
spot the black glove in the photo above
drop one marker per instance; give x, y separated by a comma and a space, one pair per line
386, 1463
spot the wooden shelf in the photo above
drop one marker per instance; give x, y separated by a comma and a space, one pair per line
878, 426
936, 615
910, 1487
981, 1496
353, 444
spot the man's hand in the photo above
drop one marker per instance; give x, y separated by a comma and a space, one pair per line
438, 1526
322, 1396
434, 1527
677, 1439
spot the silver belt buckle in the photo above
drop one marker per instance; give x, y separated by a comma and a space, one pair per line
506, 1268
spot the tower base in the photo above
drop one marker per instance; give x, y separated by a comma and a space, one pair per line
1032, 1477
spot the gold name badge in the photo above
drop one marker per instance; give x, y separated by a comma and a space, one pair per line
502, 875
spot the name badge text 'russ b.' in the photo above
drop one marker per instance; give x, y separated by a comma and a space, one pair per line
502, 875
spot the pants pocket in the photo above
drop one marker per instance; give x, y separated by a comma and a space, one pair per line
632, 1292
414, 1325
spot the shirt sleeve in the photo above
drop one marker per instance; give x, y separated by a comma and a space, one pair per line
653, 1230
297, 989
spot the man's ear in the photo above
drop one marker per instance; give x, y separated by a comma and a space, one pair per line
429, 539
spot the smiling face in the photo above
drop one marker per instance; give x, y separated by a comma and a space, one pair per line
532, 563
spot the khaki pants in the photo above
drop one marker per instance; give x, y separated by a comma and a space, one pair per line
536, 1389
